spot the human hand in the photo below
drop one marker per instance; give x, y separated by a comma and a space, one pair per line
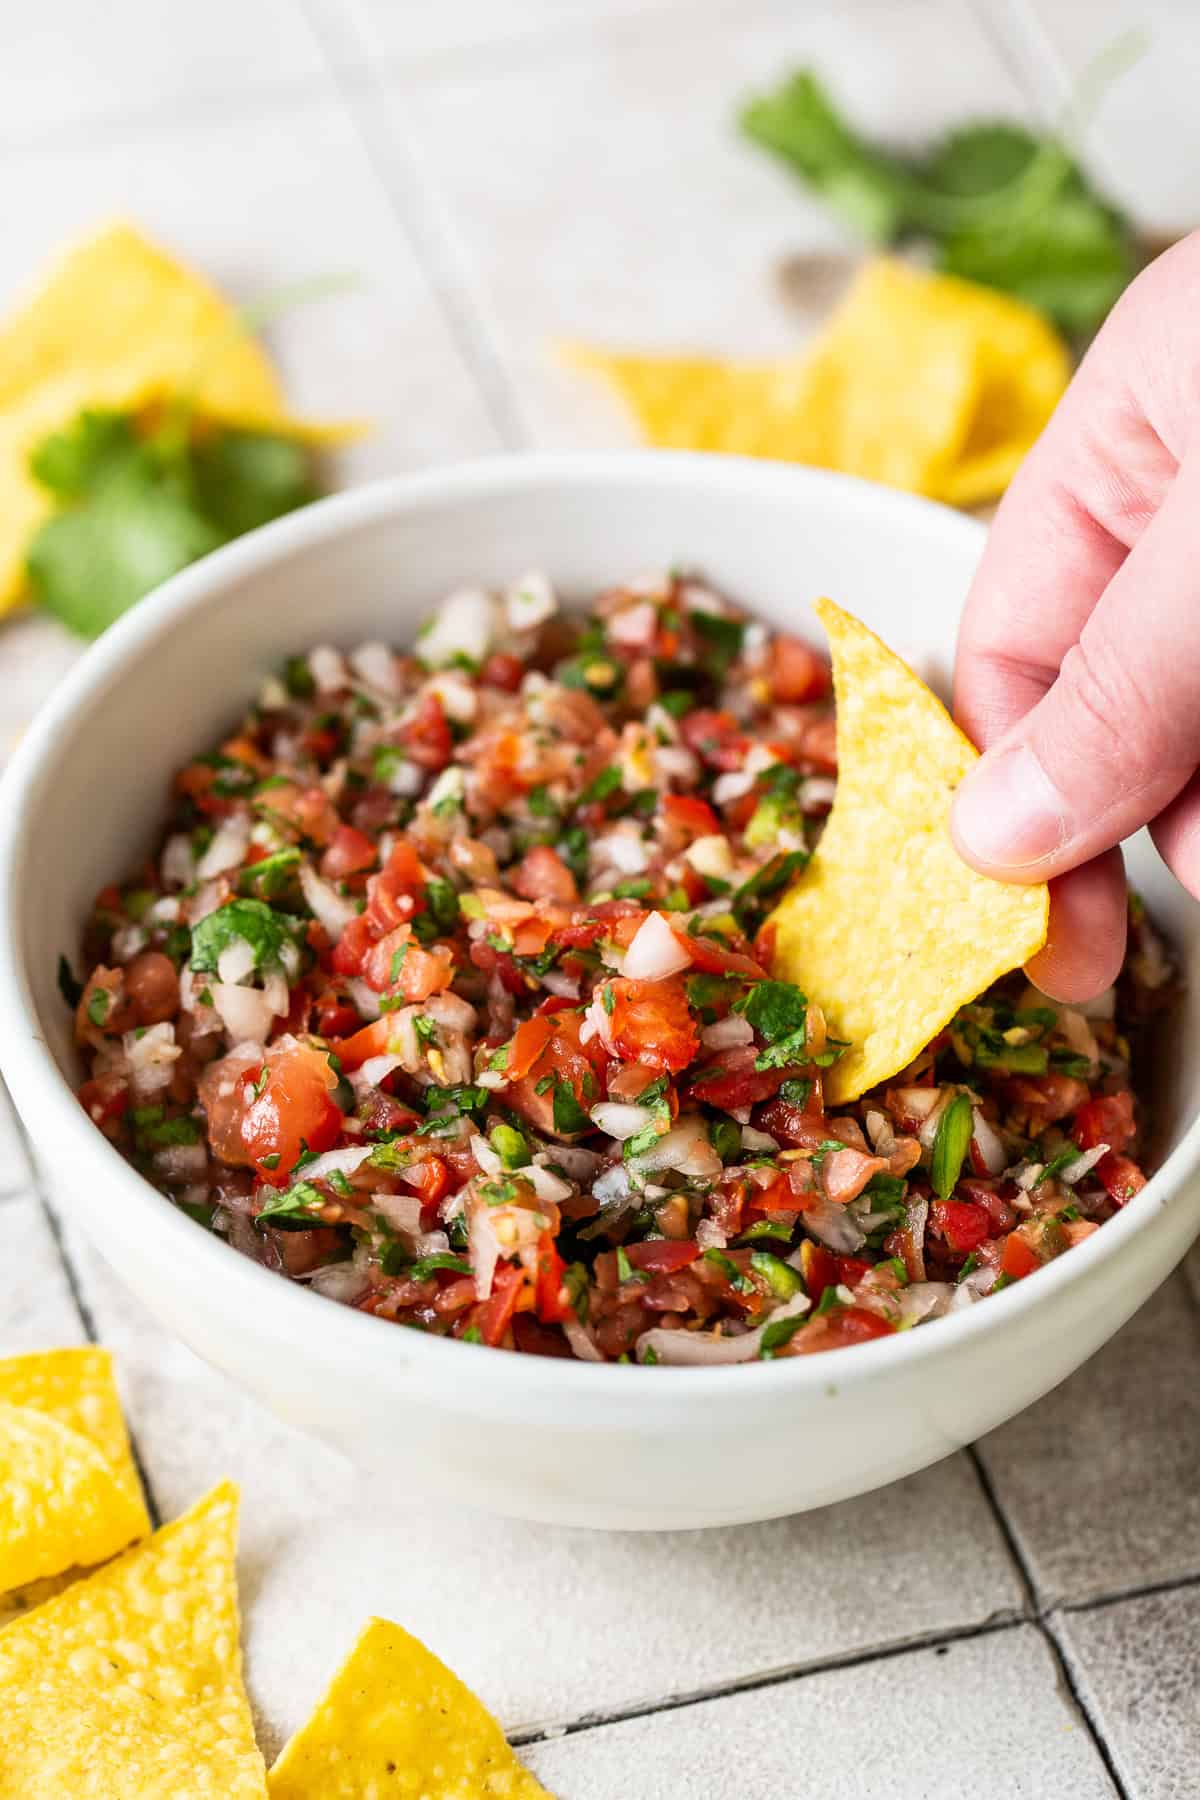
1078, 669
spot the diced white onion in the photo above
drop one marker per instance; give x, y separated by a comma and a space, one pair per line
623, 850
178, 865
336, 1162
327, 667
546, 1184
460, 701
339, 1281
559, 983
462, 626
529, 602
181, 1162
685, 1148
375, 664
1083, 1165
581, 1341
923, 1300
366, 1000
483, 1244
723, 1034
818, 790
244, 1012
228, 847
236, 960
621, 1121
325, 903
929, 1124
486, 1157
612, 1184
633, 624
655, 951
709, 1235
402, 1211
757, 1140
988, 1142
880, 1132
733, 785
710, 855
693, 1349
129, 941
833, 1225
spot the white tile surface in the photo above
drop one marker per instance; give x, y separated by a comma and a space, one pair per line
913, 1727
1135, 1665
64, 65
15, 1172
619, 1621
1099, 1478
37, 1311
258, 203
616, 202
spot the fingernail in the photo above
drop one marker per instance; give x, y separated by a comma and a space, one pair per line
1008, 813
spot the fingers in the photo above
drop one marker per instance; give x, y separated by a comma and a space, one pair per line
1176, 833
1118, 734
1082, 498
1085, 945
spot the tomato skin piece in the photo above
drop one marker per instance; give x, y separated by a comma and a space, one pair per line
690, 815
498, 1310
857, 1325
663, 1256
712, 958
550, 1298
963, 1223
503, 671
797, 672
715, 737
852, 1269
1106, 1119
295, 1109
417, 972
543, 875
652, 1023
350, 852
527, 1045
352, 947
1018, 1259
818, 1269
397, 892
559, 1056
731, 1080
360, 1046
427, 736
1121, 1176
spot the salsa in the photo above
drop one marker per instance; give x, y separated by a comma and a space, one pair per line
447, 994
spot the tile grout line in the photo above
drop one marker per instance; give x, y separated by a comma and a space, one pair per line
82, 1306
364, 96
752, 1684
1044, 1622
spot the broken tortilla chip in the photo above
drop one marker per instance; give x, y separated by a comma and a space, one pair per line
130, 1682
888, 929
924, 382
69, 1492
395, 1721
119, 324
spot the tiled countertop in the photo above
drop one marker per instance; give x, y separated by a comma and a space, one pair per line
1021, 1620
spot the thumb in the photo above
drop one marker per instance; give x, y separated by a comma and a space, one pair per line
1118, 733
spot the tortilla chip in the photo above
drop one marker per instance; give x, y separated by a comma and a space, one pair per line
69, 1492
887, 928
118, 323
921, 381
396, 1721
130, 1682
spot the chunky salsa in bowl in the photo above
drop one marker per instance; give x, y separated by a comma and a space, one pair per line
449, 994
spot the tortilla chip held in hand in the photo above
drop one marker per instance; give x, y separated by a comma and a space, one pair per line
888, 929
396, 1721
131, 1682
69, 1492
921, 381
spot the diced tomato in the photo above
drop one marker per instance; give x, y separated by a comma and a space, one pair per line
551, 1301
796, 1126
349, 852
1051, 1097
398, 965
1121, 1176
797, 672
397, 892
106, 1098
818, 744
716, 737
662, 1256
1108, 1119
497, 1313
352, 946
714, 959
652, 1023
362, 1045
963, 1223
543, 875
294, 1111
851, 1269
427, 736
690, 815
549, 1062
818, 1269
335, 1017
309, 811
856, 1325
430, 1177
731, 1079
503, 671
1019, 1259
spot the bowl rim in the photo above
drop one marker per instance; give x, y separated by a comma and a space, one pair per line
284, 1309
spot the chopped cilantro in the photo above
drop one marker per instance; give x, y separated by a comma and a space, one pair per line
294, 1210
569, 1116
251, 921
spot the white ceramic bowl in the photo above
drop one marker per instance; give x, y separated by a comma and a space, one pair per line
547, 1439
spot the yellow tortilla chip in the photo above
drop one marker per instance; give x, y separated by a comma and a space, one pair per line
921, 381
118, 323
396, 1721
69, 1492
887, 928
60, 1505
130, 1682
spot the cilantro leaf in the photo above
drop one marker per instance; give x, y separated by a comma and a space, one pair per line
243, 479
294, 1210
777, 1010
253, 921
91, 448
800, 124
569, 1117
